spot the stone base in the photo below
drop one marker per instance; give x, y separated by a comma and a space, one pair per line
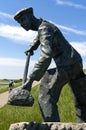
48, 126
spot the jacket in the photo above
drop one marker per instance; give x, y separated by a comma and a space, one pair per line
53, 45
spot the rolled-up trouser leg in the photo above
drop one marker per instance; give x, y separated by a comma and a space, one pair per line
79, 90
50, 89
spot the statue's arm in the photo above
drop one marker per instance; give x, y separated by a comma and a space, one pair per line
45, 58
33, 46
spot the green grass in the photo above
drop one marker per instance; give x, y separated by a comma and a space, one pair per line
13, 114
3, 85
66, 105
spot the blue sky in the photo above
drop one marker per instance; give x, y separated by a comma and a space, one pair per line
68, 15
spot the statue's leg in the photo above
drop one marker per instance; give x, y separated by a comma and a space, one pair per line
50, 88
79, 91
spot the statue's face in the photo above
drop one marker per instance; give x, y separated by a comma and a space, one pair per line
25, 21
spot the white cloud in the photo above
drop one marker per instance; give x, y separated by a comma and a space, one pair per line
14, 62
11, 62
11, 72
12, 68
80, 47
72, 30
71, 4
5, 15
16, 33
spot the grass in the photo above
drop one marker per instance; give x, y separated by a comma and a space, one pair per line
3, 85
66, 105
13, 114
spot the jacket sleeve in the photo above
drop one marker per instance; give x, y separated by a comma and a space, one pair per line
34, 44
44, 60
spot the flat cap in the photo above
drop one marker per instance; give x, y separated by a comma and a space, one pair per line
23, 11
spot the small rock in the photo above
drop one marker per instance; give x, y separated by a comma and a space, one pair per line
20, 97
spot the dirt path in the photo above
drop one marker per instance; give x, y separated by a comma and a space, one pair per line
4, 96
3, 99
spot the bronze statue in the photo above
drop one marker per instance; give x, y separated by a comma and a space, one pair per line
69, 68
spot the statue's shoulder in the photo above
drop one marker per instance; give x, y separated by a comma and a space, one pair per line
43, 24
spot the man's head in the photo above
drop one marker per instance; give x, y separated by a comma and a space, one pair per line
24, 17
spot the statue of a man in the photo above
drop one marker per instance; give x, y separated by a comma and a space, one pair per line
53, 45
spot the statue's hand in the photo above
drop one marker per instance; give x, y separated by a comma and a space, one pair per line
27, 86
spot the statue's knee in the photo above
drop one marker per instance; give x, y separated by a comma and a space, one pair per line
48, 76
44, 79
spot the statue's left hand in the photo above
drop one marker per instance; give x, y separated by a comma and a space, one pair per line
27, 86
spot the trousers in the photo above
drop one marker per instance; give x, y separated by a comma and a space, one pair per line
50, 89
